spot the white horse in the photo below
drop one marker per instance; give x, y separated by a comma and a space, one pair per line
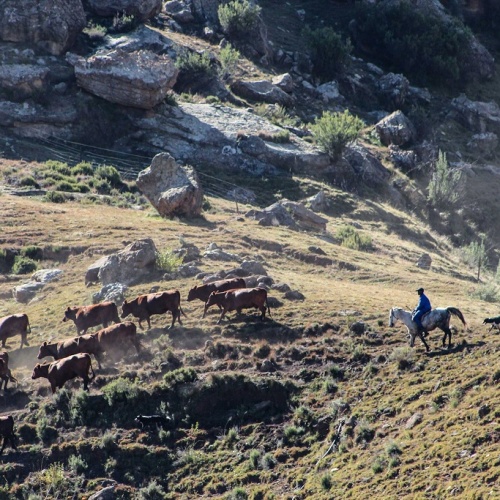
436, 318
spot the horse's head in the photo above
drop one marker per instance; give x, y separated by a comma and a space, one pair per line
391, 317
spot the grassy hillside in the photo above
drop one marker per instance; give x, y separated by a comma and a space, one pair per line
333, 419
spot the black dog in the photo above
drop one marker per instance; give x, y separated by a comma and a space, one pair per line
495, 323
147, 420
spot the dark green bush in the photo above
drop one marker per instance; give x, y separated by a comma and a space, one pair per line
58, 166
238, 18
110, 174
333, 131
422, 46
83, 168
29, 181
195, 70
329, 53
23, 265
32, 252
54, 197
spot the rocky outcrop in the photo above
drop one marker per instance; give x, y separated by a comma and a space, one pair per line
51, 25
395, 129
477, 116
128, 266
171, 188
261, 91
483, 144
142, 11
24, 80
393, 90
138, 79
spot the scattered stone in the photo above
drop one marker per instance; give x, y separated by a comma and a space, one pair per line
261, 91
214, 252
395, 129
317, 202
317, 250
172, 189
281, 287
188, 271
107, 493
393, 89
294, 295
359, 328
284, 82
483, 410
425, 261
267, 366
414, 420
241, 195
46, 275
113, 292
24, 293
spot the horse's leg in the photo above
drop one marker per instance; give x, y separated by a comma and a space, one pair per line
447, 331
423, 340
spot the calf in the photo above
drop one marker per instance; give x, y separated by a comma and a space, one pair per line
7, 432
202, 292
495, 323
5, 373
236, 300
145, 306
146, 420
86, 317
111, 339
12, 325
59, 372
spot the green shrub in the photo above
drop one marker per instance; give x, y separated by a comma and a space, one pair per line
66, 186
77, 464
45, 432
329, 54
443, 189
180, 376
58, 166
120, 390
364, 433
23, 265
403, 356
419, 44
326, 482
488, 292
54, 197
350, 238
110, 174
292, 434
95, 31
238, 18
334, 131
29, 181
237, 493
268, 461
195, 69
82, 168
281, 137
168, 261
153, 491
228, 58
32, 252
102, 186
255, 459
122, 23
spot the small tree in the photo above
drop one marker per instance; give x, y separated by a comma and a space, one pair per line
476, 256
333, 131
443, 186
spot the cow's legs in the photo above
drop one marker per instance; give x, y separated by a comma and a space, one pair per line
263, 311
224, 311
86, 383
4, 439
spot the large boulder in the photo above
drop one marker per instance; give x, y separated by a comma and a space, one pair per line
139, 79
51, 25
171, 188
261, 91
477, 116
128, 266
23, 80
143, 10
395, 129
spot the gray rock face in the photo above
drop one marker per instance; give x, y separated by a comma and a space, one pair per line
172, 189
46, 275
395, 129
393, 89
128, 265
206, 9
24, 293
261, 91
483, 144
141, 10
304, 217
477, 116
114, 292
139, 79
23, 79
51, 25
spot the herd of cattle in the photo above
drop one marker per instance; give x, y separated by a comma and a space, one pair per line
72, 357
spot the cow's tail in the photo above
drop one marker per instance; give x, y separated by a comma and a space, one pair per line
456, 312
91, 368
268, 308
183, 313
12, 378
28, 326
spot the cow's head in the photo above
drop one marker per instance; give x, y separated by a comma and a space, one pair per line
70, 313
40, 370
126, 309
192, 293
43, 351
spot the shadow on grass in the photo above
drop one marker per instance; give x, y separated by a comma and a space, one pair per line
443, 351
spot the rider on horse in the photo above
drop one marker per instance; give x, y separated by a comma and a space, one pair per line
423, 306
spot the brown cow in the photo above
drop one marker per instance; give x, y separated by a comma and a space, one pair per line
236, 300
58, 350
59, 372
144, 306
87, 316
111, 339
7, 432
202, 292
5, 373
12, 325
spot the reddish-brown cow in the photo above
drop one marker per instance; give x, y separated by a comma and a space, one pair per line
86, 317
59, 372
5, 373
202, 292
12, 325
58, 350
236, 300
114, 338
145, 306
7, 432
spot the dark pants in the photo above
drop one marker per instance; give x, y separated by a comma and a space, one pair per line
417, 317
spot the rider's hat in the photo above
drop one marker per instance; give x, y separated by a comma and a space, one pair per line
420, 289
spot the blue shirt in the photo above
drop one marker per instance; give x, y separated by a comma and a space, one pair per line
424, 304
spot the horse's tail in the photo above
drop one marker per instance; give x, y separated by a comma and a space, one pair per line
456, 312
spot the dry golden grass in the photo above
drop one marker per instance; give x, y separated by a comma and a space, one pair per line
450, 452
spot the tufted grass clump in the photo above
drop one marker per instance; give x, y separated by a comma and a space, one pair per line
403, 356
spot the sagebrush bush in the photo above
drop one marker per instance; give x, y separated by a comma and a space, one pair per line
350, 238
334, 131
329, 53
167, 261
119, 390
195, 70
489, 292
110, 174
153, 491
443, 189
238, 18
228, 58
54, 197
